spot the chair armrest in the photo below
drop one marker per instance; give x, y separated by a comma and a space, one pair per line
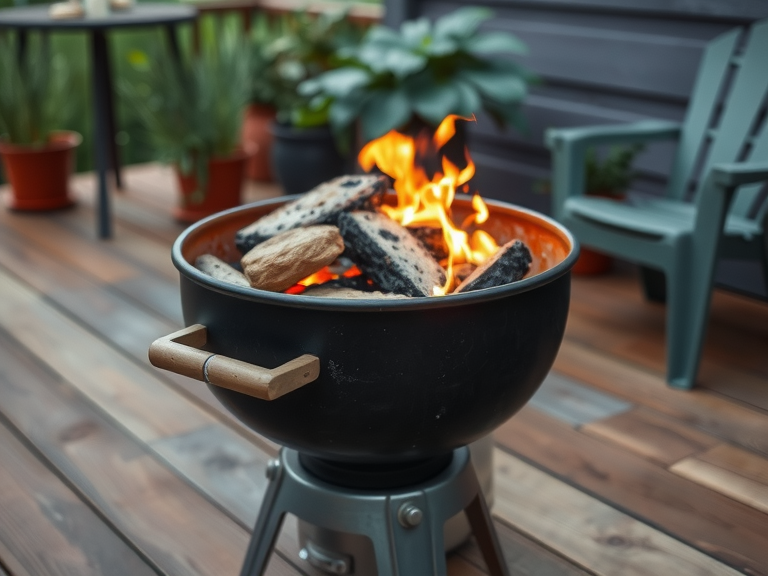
738, 174
569, 146
642, 131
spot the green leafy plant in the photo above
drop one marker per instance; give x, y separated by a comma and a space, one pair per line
610, 176
613, 174
193, 110
426, 71
297, 47
33, 94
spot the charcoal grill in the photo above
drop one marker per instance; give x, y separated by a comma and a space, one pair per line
373, 399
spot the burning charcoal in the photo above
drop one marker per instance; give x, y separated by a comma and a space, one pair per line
217, 268
283, 260
321, 205
433, 240
462, 271
509, 264
389, 254
325, 291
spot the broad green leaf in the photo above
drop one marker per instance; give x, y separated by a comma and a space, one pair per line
433, 102
462, 23
336, 83
442, 47
495, 85
415, 33
469, 102
494, 43
344, 111
382, 34
386, 110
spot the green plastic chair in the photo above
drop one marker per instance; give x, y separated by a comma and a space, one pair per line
725, 134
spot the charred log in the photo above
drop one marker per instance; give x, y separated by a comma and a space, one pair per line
217, 268
433, 240
389, 254
510, 263
283, 260
321, 205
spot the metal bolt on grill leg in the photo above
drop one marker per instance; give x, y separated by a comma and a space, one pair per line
409, 515
272, 467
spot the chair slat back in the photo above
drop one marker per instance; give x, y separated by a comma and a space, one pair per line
708, 86
742, 109
746, 198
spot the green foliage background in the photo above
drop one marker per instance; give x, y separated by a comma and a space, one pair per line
133, 140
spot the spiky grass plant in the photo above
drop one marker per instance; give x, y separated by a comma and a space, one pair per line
193, 109
33, 93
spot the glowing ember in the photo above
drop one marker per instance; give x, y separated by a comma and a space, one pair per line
425, 201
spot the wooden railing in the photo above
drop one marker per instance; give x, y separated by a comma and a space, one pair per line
360, 13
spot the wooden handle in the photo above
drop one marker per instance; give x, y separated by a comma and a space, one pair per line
180, 353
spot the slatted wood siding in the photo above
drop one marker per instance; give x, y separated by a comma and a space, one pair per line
600, 62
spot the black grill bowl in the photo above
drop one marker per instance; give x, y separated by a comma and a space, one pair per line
400, 379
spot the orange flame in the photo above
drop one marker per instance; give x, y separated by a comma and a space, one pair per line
424, 201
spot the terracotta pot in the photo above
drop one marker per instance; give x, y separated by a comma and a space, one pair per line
591, 262
256, 140
39, 175
225, 184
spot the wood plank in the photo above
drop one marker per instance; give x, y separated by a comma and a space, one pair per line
81, 254
739, 474
573, 403
524, 556
698, 408
726, 529
602, 539
164, 518
651, 435
48, 528
121, 388
118, 320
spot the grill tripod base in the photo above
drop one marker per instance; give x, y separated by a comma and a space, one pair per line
405, 525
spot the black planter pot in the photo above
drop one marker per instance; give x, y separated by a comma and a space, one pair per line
302, 158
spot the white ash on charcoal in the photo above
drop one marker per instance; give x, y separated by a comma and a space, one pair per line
389, 254
217, 268
283, 260
321, 205
325, 291
510, 263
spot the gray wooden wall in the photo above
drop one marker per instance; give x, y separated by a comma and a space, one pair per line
600, 62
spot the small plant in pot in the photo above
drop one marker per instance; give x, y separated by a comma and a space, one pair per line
304, 151
193, 112
38, 156
608, 177
412, 78
266, 88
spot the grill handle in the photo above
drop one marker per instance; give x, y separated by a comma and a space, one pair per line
180, 353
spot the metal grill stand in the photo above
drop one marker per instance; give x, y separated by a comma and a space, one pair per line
405, 525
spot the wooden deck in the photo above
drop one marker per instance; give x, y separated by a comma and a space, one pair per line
110, 467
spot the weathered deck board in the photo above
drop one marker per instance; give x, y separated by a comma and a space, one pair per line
47, 527
701, 517
651, 435
80, 313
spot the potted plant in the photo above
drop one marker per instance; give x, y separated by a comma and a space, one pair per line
414, 77
304, 152
266, 87
193, 112
38, 156
607, 178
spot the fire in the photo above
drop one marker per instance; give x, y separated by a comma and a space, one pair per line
425, 201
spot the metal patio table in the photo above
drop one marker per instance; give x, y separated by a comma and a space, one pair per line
26, 18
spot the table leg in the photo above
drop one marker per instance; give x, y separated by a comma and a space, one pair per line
109, 92
173, 42
101, 128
